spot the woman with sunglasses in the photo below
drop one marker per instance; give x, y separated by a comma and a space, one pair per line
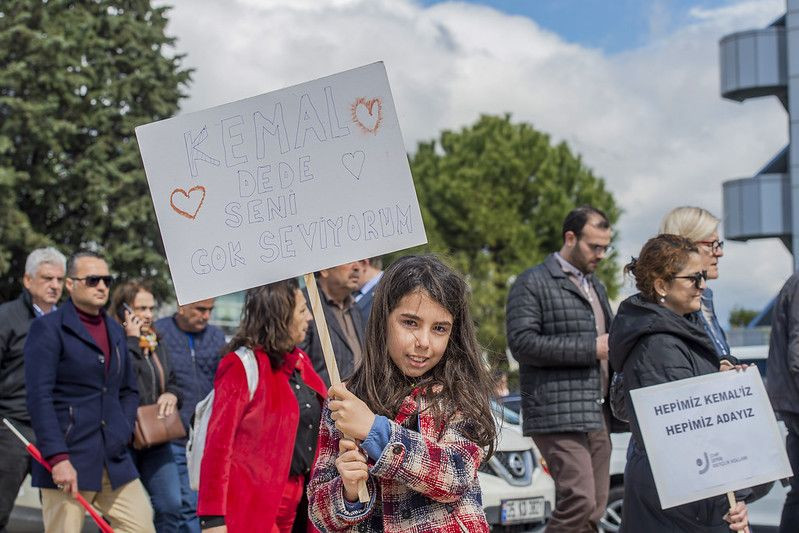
133, 304
656, 338
701, 227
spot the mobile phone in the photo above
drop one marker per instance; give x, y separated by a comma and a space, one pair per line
121, 311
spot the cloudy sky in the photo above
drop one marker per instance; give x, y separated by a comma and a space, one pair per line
631, 85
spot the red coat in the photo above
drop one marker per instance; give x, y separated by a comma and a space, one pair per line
249, 444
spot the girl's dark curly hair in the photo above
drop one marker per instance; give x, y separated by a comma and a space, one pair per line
459, 384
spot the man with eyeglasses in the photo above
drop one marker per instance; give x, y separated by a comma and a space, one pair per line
557, 321
82, 398
195, 348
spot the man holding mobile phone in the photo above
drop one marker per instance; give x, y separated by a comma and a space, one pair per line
195, 348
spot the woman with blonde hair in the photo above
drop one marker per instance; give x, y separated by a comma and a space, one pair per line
702, 228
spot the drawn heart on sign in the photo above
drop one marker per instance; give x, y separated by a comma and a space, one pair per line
368, 114
353, 162
187, 204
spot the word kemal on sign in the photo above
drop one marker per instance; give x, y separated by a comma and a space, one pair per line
698, 435
281, 184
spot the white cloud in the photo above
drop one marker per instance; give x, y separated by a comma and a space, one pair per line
651, 120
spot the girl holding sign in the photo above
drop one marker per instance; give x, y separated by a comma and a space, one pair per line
655, 338
419, 402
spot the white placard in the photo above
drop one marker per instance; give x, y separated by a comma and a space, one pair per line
708, 435
288, 182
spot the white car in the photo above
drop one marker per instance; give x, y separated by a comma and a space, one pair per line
764, 514
518, 492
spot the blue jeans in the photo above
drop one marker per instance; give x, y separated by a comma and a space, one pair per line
189, 523
159, 474
790, 511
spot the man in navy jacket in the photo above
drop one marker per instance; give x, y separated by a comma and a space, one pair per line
82, 399
195, 347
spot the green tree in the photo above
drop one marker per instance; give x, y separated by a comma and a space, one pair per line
740, 317
75, 79
493, 198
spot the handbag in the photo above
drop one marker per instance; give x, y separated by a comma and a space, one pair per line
151, 430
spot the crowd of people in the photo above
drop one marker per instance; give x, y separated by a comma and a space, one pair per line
73, 383
411, 423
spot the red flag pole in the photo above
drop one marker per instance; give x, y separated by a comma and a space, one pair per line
36, 454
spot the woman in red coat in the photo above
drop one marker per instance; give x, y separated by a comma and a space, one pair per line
258, 452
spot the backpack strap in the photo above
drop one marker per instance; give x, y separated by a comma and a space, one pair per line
247, 358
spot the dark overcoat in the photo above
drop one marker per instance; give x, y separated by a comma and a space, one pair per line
76, 405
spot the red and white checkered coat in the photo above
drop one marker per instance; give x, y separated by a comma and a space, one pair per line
423, 482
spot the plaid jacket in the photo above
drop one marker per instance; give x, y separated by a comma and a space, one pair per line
423, 482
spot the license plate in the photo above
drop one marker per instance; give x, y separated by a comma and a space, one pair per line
526, 510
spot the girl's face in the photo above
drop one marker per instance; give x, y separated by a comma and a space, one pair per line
144, 306
299, 318
418, 333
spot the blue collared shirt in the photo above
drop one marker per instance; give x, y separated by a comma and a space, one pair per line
712, 326
39, 312
368, 286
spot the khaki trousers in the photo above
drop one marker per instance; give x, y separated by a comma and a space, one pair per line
127, 508
580, 465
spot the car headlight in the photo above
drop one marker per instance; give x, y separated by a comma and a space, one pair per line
514, 467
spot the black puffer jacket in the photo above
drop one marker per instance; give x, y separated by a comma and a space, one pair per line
653, 345
783, 350
15, 320
552, 334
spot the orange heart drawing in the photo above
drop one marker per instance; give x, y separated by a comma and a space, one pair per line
187, 203
366, 116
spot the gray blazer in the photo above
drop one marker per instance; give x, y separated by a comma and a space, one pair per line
341, 348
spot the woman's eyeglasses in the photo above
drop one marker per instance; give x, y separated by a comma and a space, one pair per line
714, 246
93, 281
697, 278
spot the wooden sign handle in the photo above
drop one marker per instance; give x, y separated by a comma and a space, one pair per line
327, 350
732, 502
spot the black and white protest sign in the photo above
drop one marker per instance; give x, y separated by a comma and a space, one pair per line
281, 184
709, 435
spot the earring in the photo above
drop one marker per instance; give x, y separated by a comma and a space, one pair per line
662, 298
